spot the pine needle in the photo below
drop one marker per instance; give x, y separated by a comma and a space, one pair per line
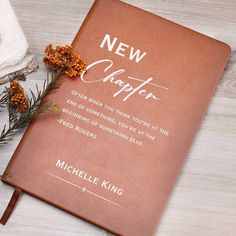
36, 105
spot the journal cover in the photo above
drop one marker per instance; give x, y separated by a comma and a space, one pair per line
114, 151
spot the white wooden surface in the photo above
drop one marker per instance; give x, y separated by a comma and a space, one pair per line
204, 200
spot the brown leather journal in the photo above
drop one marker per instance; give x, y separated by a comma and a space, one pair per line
113, 153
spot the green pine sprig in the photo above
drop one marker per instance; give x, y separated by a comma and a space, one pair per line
36, 105
15, 75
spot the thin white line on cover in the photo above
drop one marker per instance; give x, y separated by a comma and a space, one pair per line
84, 189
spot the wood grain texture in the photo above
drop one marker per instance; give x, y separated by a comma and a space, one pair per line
204, 199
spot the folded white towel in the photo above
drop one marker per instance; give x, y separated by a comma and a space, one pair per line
13, 44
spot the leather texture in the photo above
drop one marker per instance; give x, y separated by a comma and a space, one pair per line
187, 63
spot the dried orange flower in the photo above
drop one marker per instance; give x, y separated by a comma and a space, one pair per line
17, 97
64, 59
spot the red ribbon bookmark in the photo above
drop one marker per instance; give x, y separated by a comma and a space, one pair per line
11, 205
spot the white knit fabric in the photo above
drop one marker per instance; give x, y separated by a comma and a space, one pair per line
13, 44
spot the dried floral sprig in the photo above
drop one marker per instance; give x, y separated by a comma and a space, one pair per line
63, 58
17, 97
20, 118
18, 76
21, 108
